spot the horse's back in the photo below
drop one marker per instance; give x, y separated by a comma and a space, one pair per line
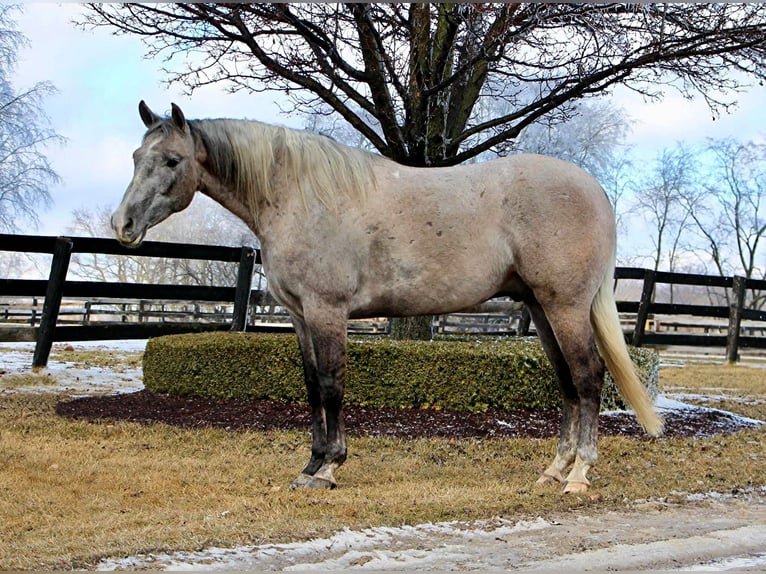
447, 238
533, 199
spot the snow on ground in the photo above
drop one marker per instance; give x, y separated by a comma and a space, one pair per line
68, 376
383, 548
730, 538
671, 403
680, 356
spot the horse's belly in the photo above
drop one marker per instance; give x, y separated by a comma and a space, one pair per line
435, 294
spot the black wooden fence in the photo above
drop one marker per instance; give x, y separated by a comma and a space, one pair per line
735, 312
49, 329
58, 287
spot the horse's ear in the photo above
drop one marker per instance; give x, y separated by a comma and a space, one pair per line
147, 116
178, 117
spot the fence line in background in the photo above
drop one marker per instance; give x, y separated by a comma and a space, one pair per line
57, 287
51, 324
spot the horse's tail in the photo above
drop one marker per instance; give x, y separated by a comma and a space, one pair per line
611, 344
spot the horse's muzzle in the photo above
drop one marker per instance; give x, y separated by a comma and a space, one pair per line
126, 231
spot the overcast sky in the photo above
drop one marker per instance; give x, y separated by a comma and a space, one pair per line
101, 78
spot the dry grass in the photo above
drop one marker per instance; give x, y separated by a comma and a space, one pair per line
736, 388
118, 360
29, 380
83, 357
74, 491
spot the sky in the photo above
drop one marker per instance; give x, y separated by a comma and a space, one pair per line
101, 78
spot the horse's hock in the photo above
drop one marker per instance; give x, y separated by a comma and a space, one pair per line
459, 375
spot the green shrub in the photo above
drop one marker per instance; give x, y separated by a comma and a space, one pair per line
467, 375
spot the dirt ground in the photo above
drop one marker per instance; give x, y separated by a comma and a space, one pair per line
239, 414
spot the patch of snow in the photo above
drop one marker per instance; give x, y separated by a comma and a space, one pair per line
709, 398
666, 403
424, 546
709, 356
751, 493
750, 562
72, 377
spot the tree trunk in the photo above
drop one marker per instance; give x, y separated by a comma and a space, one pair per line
415, 328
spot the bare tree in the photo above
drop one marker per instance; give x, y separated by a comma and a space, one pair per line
25, 172
204, 222
740, 190
730, 216
409, 77
659, 200
418, 70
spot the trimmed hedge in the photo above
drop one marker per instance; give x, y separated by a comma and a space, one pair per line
465, 375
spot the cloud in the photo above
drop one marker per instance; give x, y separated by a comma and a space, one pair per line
675, 118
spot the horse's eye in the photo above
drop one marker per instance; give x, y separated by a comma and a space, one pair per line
172, 162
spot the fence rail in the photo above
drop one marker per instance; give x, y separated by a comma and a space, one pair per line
735, 312
139, 318
57, 287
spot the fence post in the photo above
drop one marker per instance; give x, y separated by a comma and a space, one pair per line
242, 294
735, 318
524, 322
62, 252
647, 295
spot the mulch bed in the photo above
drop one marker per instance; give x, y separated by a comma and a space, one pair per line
238, 414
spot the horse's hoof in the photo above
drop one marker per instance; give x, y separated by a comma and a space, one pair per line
548, 480
572, 487
302, 481
321, 483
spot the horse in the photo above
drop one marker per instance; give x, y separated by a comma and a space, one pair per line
345, 233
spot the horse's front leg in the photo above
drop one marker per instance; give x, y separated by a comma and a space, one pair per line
325, 336
318, 429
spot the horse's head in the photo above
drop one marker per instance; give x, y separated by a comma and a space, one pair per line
165, 176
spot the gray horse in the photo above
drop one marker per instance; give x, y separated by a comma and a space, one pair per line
348, 234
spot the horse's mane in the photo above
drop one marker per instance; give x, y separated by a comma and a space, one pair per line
257, 159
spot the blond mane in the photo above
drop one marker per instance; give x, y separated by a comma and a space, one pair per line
259, 160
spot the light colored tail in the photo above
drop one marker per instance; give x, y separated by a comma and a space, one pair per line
611, 344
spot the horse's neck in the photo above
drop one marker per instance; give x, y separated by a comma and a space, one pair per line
252, 208
229, 199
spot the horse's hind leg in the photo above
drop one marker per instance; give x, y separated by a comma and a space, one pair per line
570, 412
574, 335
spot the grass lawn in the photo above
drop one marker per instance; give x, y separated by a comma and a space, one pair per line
73, 492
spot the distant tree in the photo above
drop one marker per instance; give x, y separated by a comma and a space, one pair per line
658, 198
729, 214
410, 77
14, 264
203, 222
25, 172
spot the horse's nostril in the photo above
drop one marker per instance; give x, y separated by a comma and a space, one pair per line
128, 225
